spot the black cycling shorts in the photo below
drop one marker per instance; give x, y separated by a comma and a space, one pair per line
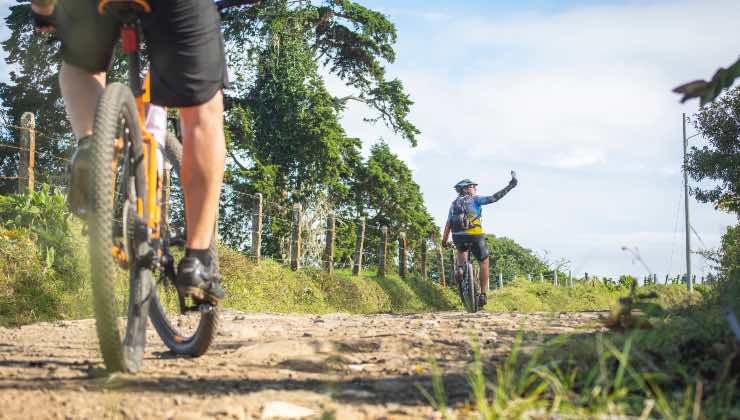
475, 243
185, 46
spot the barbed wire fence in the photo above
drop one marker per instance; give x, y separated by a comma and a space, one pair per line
307, 238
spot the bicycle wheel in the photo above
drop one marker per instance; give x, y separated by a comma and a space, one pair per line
116, 175
192, 332
471, 281
464, 287
475, 269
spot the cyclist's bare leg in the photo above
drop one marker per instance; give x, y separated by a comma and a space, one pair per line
462, 257
203, 158
80, 90
483, 275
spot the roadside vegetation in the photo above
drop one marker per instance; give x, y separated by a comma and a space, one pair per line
666, 354
524, 296
44, 274
663, 354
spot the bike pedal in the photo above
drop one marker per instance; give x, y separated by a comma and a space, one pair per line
205, 308
202, 308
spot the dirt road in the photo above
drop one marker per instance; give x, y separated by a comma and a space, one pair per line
265, 366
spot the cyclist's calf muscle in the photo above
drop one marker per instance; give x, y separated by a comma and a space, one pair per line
80, 90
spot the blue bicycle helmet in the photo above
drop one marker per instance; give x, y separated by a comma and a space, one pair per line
462, 184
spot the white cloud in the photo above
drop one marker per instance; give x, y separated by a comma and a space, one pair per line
579, 103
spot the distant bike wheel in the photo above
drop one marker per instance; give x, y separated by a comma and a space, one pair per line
472, 280
121, 290
192, 332
475, 286
466, 289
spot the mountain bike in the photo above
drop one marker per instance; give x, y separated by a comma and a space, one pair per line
132, 247
468, 286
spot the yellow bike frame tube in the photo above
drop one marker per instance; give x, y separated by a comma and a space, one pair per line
103, 3
150, 160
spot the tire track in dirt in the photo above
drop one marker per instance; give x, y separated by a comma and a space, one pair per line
357, 366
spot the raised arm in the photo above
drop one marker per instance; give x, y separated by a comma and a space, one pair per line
494, 198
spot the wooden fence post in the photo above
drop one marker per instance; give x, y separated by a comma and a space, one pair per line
555, 277
382, 250
27, 153
257, 227
402, 269
295, 244
441, 265
529, 277
329, 251
542, 278
424, 259
500, 280
570, 279
358, 248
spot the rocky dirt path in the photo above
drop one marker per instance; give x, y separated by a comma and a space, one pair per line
265, 366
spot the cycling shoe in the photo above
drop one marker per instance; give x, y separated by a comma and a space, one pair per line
79, 178
199, 281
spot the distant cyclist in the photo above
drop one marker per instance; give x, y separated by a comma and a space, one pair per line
186, 54
464, 221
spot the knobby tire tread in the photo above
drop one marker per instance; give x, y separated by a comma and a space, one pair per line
116, 102
201, 340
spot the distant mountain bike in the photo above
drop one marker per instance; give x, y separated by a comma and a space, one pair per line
468, 286
131, 245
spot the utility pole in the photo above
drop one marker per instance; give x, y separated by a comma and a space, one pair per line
686, 208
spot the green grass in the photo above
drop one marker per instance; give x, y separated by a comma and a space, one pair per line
682, 364
42, 283
615, 385
523, 296
33, 289
271, 287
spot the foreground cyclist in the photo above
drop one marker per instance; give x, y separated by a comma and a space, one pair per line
188, 67
464, 221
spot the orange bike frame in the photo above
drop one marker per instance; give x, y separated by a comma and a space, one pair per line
153, 184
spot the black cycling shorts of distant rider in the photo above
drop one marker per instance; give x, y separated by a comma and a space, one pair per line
185, 46
476, 244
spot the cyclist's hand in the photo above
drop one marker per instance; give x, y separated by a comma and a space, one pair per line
43, 18
513, 181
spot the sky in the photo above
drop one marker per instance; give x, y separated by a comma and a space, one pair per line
575, 96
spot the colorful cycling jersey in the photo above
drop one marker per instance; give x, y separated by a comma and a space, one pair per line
475, 209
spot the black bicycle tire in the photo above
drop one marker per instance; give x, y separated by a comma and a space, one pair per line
197, 344
116, 104
473, 307
476, 286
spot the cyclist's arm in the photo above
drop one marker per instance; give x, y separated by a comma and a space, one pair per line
499, 195
446, 234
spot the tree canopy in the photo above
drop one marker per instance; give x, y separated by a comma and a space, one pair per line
719, 159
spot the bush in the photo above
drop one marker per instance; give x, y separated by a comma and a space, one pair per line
42, 260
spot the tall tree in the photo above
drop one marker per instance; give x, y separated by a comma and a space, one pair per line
719, 159
511, 259
348, 39
387, 193
33, 87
